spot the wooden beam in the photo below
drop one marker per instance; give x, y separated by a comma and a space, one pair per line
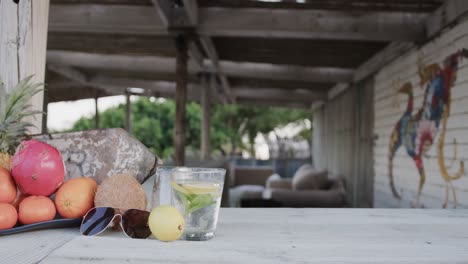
80, 78
417, 6
96, 113
168, 14
191, 9
446, 15
125, 63
210, 50
181, 99
164, 10
382, 58
69, 72
62, 89
296, 95
154, 64
316, 24
272, 103
317, 105
373, 65
113, 19
118, 86
336, 90
128, 113
241, 22
23, 41
195, 55
177, 16
283, 72
206, 86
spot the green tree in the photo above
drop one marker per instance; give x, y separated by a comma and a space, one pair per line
239, 121
153, 124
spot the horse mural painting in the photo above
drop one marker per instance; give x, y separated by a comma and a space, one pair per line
417, 132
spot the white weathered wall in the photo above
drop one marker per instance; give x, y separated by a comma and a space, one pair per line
389, 106
23, 40
334, 139
342, 141
319, 138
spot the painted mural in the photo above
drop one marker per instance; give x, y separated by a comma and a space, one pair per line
417, 132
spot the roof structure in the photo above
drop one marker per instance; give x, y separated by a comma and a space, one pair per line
288, 53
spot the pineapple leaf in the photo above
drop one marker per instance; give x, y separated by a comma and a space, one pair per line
14, 107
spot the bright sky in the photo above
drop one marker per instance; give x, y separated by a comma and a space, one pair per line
63, 115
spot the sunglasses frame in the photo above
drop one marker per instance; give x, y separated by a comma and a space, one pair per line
117, 212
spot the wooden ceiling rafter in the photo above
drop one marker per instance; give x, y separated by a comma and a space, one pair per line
182, 18
423, 6
166, 65
242, 42
239, 22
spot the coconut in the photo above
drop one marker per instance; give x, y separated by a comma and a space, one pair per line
121, 191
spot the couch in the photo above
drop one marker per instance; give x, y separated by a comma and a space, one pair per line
249, 175
248, 182
309, 187
283, 193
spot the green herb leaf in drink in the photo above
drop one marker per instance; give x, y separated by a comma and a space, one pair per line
191, 201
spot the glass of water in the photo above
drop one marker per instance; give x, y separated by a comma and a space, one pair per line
197, 194
162, 190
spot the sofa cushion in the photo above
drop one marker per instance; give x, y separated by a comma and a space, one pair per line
303, 168
309, 179
280, 184
248, 175
273, 177
238, 193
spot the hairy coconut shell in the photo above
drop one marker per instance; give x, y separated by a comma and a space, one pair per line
121, 191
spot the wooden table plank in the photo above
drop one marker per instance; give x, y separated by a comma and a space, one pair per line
296, 236
32, 247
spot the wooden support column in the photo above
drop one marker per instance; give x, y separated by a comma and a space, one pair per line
128, 114
206, 115
181, 98
96, 110
45, 110
23, 40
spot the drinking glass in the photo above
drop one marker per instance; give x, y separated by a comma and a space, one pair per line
162, 190
197, 194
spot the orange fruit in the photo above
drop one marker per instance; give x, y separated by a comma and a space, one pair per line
35, 209
8, 216
19, 198
7, 186
75, 197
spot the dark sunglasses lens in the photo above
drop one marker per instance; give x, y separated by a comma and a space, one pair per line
135, 223
96, 220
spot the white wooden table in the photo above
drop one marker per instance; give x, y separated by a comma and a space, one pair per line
269, 236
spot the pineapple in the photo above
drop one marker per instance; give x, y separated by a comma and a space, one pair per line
14, 107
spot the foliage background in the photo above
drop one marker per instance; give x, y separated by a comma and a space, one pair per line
153, 124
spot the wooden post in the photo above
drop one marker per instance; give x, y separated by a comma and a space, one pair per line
23, 40
96, 110
45, 110
128, 114
181, 98
205, 119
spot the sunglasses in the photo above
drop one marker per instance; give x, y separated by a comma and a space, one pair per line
134, 222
